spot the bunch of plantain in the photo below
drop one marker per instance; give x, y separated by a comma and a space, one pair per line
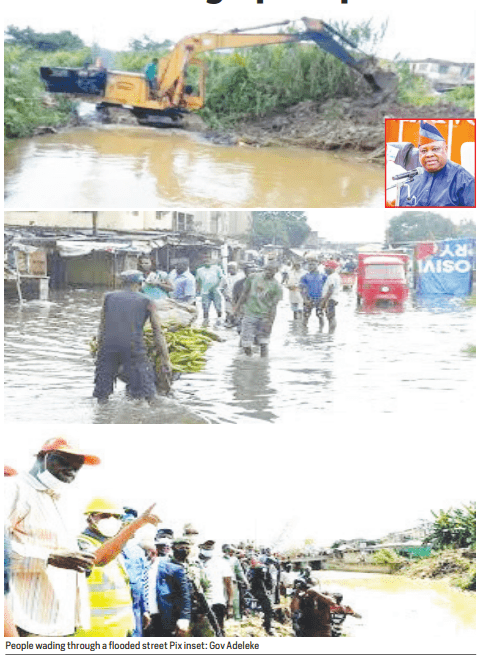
186, 347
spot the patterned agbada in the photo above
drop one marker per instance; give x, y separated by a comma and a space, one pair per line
45, 600
452, 186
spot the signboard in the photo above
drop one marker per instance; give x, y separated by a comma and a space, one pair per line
449, 270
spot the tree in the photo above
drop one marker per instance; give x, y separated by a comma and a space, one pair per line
466, 228
146, 44
419, 226
49, 41
283, 228
454, 528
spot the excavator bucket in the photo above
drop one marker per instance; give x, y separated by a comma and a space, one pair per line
381, 81
323, 34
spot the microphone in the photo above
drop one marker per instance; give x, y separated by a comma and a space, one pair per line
410, 174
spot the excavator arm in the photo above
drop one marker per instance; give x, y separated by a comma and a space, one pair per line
172, 67
170, 96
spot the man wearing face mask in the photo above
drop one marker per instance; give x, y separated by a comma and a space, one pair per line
109, 587
48, 590
203, 622
219, 575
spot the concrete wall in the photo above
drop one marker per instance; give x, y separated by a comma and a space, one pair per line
229, 223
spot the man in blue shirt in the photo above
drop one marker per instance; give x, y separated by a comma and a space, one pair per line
311, 285
442, 183
137, 570
184, 286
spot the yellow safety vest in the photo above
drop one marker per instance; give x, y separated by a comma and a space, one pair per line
110, 599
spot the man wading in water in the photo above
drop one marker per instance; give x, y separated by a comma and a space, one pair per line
121, 351
258, 302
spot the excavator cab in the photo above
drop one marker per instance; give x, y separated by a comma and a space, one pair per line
175, 93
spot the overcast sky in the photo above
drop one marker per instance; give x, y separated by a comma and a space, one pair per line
113, 25
366, 225
341, 479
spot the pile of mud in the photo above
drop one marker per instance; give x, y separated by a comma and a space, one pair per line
337, 124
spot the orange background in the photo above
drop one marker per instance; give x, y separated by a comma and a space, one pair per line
463, 130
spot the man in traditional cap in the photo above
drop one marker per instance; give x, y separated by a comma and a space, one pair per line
121, 349
48, 589
442, 183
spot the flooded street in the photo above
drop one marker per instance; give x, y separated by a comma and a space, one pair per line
394, 605
109, 166
382, 362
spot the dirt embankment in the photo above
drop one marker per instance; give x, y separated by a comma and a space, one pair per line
456, 566
337, 124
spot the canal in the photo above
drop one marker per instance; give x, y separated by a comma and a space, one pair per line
112, 166
397, 607
385, 363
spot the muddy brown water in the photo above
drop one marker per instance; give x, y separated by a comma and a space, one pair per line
392, 606
109, 166
382, 362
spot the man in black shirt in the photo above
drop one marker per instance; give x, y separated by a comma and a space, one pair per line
121, 350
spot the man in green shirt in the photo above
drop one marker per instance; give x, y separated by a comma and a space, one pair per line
259, 300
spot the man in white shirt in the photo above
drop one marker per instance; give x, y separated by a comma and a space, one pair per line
330, 293
49, 595
219, 574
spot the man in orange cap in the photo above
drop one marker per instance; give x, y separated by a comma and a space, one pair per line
48, 590
442, 183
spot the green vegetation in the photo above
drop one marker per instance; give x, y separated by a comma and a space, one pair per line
386, 557
412, 89
453, 534
449, 564
135, 61
285, 228
252, 82
50, 41
24, 108
426, 226
462, 96
454, 528
417, 91
146, 44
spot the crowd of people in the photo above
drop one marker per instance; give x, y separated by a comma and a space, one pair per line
249, 294
111, 580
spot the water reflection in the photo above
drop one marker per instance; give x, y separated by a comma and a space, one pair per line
380, 362
122, 167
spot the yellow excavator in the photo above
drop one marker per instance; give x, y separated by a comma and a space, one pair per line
169, 96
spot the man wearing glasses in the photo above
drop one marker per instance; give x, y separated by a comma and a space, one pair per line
442, 183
